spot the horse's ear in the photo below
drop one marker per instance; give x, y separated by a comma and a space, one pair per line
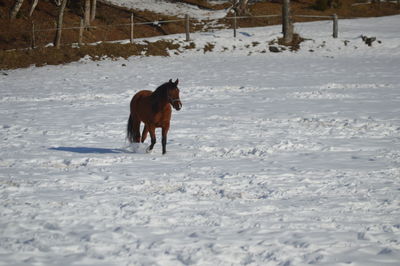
176, 82
170, 81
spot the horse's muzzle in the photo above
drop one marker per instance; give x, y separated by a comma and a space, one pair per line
177, 105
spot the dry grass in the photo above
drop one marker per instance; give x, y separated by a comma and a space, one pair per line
52, 56
208, 47
111, 24
294, 45
205, 4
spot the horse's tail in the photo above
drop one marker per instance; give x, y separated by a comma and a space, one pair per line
130, 135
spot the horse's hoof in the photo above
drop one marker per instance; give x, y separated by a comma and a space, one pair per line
148, 150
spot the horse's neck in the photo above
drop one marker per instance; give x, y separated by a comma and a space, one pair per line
159, 102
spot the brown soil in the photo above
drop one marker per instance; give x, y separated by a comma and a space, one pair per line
294, 45
305, 7
203, 4
12, 59
112, 23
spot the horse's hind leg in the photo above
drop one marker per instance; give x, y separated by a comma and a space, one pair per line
144, 133
152, 131
133, 133
136, 130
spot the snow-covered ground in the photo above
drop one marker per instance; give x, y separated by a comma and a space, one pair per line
174, 9
275, 159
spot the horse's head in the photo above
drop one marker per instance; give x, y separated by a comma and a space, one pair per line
173, 95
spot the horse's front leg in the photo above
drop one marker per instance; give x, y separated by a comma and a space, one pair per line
152, 131
165, 129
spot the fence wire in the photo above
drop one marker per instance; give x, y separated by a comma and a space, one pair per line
35, 30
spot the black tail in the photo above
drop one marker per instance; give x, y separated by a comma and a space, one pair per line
130, 135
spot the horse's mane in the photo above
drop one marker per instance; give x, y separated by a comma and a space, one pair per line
159, 94
161, 91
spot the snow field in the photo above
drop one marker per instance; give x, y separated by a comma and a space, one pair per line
174, 9
287, 159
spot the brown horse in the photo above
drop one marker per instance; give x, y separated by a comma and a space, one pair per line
154, 110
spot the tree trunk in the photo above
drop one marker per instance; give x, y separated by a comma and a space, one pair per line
16, 8
243, 7
34, 4
93, 10
87, 13
287, 26
57, 40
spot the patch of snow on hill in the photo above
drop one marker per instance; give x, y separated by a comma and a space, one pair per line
168, 8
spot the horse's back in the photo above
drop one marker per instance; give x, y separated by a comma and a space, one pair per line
141, 94
140, 97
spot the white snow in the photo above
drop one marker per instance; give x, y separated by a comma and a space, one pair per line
275, 159
169, 8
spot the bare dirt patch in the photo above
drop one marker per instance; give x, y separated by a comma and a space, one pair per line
51, 56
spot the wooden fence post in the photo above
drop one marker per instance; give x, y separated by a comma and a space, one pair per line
132, 28
81, 29
287, 27
33, 44
234, 25
187, 27
335, 26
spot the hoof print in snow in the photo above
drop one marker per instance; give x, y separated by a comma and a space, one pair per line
385, 251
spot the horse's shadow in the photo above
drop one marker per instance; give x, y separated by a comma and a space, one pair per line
88, 150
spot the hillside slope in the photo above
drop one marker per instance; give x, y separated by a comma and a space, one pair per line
113, 23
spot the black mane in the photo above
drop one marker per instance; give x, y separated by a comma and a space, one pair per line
160, 94
161, 91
